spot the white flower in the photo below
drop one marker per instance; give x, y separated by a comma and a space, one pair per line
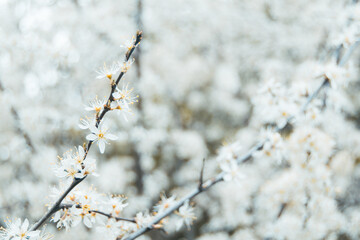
85, 123
110, 227
336, 75
143, 220
16, 231
124, 96
129, 44
115, 205
68, 217
125, 66
96, 105
231, 170
100, 135
44, 235
124, 99
186, 212
273, 147
229, 152
348, 36
73, 165
108, 72
165, 203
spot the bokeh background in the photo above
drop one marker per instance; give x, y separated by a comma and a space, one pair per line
197, 72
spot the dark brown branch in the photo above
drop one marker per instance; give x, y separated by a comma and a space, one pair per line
64, 206
114, 85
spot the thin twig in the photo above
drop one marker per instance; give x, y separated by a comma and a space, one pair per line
66, 206
201, 179
75, 182
56, 205
18, 126
220, 177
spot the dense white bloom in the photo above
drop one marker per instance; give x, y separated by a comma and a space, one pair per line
186, 212
229, 152
348, 37
274, 103
338, 76
100, 135
212, 89
15, 230
231, 171
227, 159
273, 148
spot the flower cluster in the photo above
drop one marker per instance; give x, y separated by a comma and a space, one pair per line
75, 165
289, 95
18, 230
87, 206
228, 161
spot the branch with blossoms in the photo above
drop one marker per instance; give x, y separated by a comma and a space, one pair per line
230, 170
108, 215
75, 166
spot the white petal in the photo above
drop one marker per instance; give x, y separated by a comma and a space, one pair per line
102, 146
18, 223
82, 126
25, 225
76, 220
116, 95
111, 136
94, 129
81, 152
87, 222
33, 233
91, 137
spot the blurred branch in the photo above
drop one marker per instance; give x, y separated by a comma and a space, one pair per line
137, 159
201, 180
20, 130
220, 177
75, 182
18, 127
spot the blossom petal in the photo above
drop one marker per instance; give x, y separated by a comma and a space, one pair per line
25, 225
87, 222
102, 146
111, 136
94, 129
91, 137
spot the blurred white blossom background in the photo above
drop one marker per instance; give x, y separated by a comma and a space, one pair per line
208, 73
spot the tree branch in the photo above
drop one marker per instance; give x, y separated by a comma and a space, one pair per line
64, 206
220, 177
75, 182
